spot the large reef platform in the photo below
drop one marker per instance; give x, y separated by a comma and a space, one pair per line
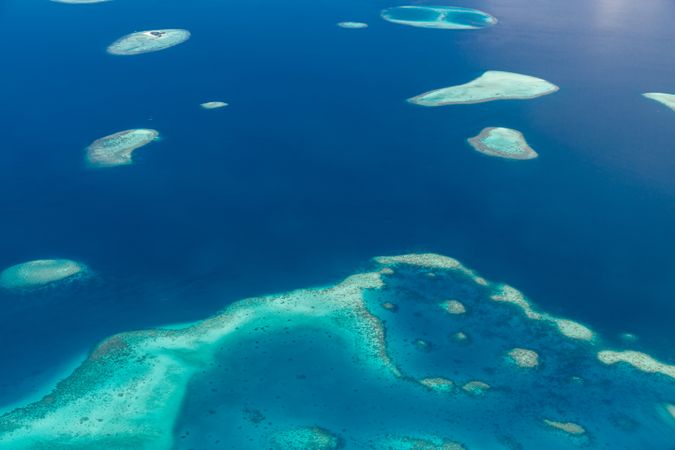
492, 85
331, 367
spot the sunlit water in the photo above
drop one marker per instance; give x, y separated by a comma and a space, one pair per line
319, 164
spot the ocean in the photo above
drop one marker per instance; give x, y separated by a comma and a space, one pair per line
318, 164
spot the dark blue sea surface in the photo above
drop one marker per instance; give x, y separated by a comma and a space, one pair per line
318, 163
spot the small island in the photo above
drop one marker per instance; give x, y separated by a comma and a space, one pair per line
148, 41
117, 149
502, 143
665, 99
33, 274
352, 25
441, 17
492, 85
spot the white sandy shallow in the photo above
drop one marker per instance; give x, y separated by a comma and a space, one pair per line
39, 273
503, 143
439, 17
663, 98
213, 105
117, 149
148, 41
492, 85
352, 25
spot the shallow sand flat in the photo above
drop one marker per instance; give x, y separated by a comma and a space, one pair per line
148, 41
352, 25
665, 99
441, 17
492, 85
213, 105
117, 149
503, 143
39, 273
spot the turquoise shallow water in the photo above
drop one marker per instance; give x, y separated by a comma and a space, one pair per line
317, 164
373, 362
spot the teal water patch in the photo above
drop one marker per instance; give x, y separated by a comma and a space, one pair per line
442, 17
372, 362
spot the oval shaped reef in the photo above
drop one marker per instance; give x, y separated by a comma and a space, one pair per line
213, 105
443, 17
117, 149
352, 25
148, 41
38, 273
492, 85
503, 143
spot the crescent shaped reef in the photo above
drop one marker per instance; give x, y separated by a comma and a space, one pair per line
280, 371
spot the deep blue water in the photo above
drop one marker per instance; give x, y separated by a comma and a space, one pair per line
318, 163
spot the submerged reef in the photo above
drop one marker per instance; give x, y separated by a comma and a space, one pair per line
443, 17
315, 438
117, 149
438, 384
453, 307
39, 273
567, 427
666, 99
213, 105
148, 41
503, 143
417, 443
492, 85
523, 357
332, 367
352, 25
